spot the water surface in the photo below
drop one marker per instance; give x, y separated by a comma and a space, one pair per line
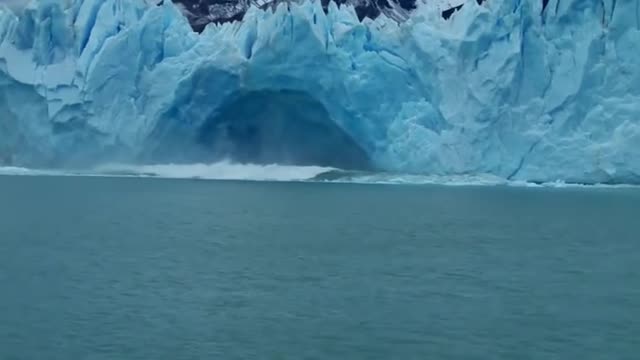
125, 268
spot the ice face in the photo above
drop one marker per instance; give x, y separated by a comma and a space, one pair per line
504, 88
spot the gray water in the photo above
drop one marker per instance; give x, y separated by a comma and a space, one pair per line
114, 268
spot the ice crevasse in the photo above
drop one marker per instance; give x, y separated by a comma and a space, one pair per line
524, 90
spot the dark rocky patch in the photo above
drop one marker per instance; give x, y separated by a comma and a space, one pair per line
202, 12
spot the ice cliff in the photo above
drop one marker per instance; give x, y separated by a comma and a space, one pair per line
526, 90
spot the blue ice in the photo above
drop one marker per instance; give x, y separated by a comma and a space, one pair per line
504, 88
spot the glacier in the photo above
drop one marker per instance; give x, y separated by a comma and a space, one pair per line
521, 90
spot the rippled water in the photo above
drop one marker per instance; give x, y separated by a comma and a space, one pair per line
134, 268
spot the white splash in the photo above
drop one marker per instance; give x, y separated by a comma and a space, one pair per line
227, 170
21, 171
217, 171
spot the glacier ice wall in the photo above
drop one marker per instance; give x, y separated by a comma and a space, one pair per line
505, 88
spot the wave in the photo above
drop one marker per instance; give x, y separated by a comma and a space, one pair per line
16, 170
227, 170
253, 172
362, 177
217, 171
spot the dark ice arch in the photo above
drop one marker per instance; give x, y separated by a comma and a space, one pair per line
284, 127
259, 127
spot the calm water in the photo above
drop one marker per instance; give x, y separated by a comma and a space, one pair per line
104, 268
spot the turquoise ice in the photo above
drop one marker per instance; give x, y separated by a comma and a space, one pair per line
503, 88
